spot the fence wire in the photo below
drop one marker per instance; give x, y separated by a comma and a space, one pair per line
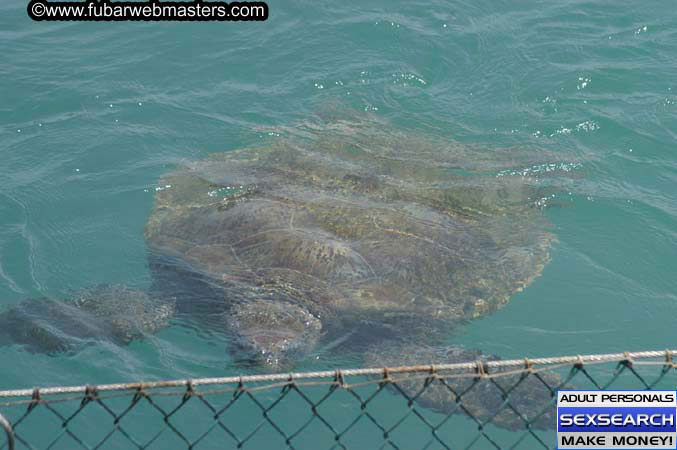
484, 404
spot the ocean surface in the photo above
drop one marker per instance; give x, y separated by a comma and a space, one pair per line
92, 114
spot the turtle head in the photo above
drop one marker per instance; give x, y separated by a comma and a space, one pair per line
273, 334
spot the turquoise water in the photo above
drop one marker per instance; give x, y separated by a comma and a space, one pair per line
91, 114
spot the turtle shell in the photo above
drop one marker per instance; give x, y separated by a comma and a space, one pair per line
354, 224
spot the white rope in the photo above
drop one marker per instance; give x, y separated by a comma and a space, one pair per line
470, 367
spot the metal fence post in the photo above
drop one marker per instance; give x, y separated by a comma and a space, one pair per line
8, 429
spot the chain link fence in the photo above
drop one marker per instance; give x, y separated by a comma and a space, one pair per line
496, 404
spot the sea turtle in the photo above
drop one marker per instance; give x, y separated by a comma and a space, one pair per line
114, 313
346, 231
342, 228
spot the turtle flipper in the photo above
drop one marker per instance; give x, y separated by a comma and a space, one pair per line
111, 313
39, 324
507, 401
129, 313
